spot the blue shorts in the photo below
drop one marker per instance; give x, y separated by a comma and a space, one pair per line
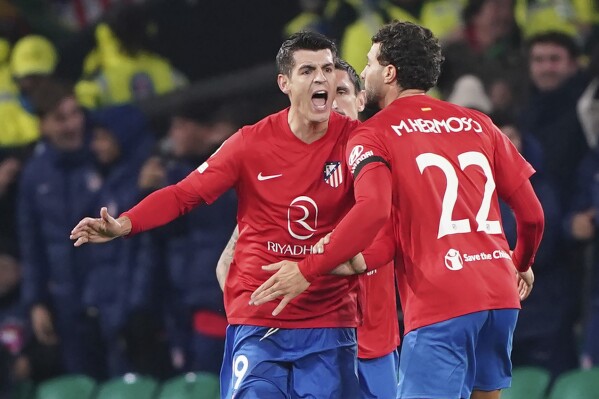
378, 377
449, 359
262, 362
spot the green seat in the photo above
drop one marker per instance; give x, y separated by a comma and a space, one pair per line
66, 387
527, 383
579, 384
24, 390
130, 386
191, 386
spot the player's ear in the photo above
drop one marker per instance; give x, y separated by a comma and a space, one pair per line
361, 100
283, 82
389, 74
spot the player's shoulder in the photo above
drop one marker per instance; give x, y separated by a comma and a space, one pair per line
264, 126
375, 125
478, 115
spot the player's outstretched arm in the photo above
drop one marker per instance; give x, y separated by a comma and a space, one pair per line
100, 230
226, 258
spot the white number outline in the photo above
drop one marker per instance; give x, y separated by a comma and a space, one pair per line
239, 374
448, 226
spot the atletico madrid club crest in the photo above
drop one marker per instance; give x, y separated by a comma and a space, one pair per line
332, 174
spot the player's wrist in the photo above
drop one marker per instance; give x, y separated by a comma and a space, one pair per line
125, 225
304, 269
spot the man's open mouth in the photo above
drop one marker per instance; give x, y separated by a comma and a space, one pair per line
319, 99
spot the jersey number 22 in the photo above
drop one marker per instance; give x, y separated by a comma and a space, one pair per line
446, 224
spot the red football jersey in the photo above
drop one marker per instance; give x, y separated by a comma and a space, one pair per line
290, 195
379, 333
449, 165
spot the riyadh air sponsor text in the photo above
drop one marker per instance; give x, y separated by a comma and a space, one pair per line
449, 125
289, 249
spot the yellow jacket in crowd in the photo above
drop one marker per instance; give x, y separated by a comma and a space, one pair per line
113, 77
442, 17
31, 55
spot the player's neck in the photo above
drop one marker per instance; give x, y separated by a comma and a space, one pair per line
304, 129
398, 92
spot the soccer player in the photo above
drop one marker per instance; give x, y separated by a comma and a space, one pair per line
378, 337
293, 187
438, 170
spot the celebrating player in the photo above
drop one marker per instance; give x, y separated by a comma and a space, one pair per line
378, 337
293, 187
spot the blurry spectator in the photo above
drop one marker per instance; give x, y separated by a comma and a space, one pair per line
33, 60
588, 104
557, 83
582, 226
121, 143
544, 336
572, 17
442, 17
487, 50
58, 186
186, 251
549, 115
121, 69
329, 17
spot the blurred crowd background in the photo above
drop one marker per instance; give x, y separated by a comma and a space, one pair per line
104, 101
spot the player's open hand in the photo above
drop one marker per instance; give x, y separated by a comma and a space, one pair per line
288, 282
97, 230
525, 281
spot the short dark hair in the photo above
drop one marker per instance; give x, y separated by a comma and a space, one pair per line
343, 65
558, 38
304, 40
414, 52
46, 97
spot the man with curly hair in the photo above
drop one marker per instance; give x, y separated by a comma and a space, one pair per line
438, 170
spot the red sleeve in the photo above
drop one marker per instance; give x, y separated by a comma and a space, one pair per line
221, 171
204, 185
510, 168
382, 249
530, 222
163, 206
358, 228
